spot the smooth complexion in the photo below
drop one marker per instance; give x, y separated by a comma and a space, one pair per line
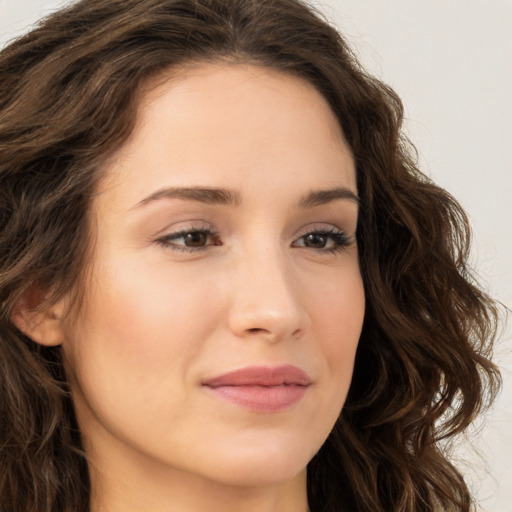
225, 240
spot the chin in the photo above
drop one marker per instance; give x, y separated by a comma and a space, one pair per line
261, 467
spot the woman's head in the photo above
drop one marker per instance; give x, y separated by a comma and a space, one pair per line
97, 112
224, 242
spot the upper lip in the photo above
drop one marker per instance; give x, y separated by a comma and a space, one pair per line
261, 376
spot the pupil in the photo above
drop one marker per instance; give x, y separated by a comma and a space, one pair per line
316, 241
196, 239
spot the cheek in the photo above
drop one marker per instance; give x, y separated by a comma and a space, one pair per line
137, 336
146, 311
130, 352
338, 313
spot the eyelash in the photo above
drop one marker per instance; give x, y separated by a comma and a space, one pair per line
337, 236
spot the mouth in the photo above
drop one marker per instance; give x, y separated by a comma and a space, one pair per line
261, 388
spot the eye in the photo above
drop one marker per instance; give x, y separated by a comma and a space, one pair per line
189, 240
195, 239
330, 240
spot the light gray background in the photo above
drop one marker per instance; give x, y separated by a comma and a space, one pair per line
451, 62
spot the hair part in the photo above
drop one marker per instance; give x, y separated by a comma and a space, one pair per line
69, 92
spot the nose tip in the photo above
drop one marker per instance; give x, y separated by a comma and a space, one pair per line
272, 326
267, 305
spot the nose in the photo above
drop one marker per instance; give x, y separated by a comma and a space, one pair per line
266, 298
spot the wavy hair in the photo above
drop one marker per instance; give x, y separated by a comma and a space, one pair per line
68, 100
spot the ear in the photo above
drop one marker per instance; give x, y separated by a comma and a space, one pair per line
42, 325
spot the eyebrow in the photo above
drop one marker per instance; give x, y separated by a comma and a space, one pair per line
320, 197
205, 195
222, 196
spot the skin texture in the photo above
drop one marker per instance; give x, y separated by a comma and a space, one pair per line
159, 320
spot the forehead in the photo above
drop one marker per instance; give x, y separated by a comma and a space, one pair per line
225, 123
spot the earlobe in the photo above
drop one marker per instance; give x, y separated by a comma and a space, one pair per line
42, 325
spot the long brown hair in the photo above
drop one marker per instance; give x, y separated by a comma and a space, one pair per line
68, 99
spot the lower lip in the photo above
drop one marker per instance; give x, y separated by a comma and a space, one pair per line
261, 398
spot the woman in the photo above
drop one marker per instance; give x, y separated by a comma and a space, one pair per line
225, 285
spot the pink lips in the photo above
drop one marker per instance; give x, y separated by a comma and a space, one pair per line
261, 388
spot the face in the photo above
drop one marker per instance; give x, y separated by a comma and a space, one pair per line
225, 301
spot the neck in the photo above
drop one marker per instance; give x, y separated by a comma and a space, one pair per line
135, 491
133, 483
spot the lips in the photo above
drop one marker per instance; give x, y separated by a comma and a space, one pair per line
261, 389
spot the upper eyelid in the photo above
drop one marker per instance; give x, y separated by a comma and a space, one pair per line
326, 228
186, 228
334, 231
316, 227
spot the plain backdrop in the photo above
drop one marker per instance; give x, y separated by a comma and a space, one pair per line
451, 62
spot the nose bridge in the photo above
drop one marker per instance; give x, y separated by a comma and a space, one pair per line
266, 297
